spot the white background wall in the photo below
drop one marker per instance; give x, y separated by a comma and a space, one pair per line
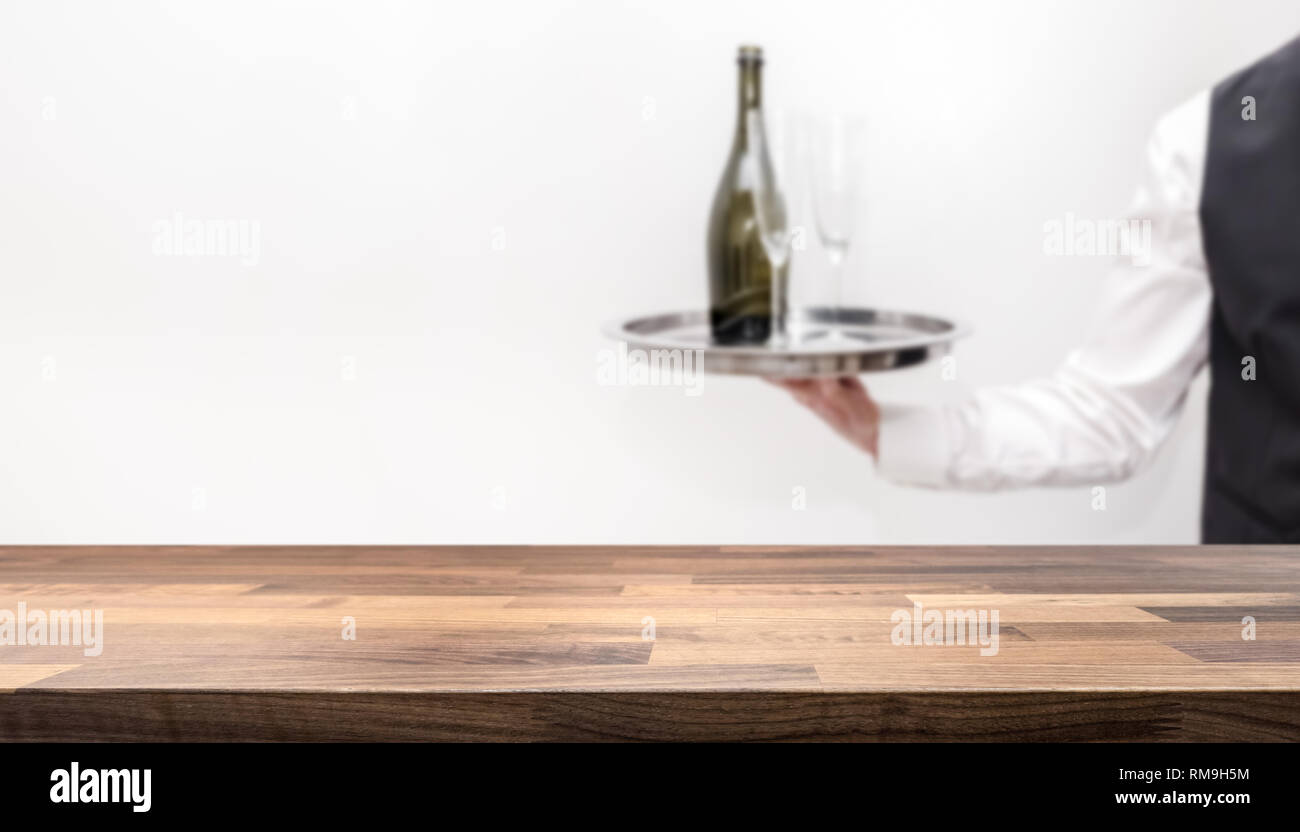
378, 145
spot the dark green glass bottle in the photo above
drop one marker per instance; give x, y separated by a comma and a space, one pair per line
740, 273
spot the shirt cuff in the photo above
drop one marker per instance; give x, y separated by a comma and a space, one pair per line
914, 447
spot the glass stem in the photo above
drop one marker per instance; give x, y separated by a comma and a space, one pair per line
778, 303
837, 294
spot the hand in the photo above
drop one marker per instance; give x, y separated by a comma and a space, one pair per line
843, 403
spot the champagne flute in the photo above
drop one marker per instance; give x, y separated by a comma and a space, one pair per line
838, 162
767, 177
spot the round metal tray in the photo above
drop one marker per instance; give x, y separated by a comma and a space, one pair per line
867, 341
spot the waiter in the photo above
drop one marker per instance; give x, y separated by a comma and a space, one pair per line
1222, 287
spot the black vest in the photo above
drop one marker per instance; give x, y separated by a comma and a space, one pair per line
1250, 221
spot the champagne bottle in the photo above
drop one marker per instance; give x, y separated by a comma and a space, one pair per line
741, 275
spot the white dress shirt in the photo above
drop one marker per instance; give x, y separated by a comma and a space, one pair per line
1115, 399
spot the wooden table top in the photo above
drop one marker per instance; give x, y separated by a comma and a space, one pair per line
700, 642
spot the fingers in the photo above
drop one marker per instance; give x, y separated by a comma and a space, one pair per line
820, 395
835, 405
810, 396
790, 384
857, 398
842, 402
827, 391
852, 384
798, 383
804, 390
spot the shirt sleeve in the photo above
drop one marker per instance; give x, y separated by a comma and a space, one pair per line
1115, 399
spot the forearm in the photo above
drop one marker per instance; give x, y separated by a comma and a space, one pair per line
1057, 432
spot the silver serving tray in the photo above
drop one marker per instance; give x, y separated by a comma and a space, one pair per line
870, 340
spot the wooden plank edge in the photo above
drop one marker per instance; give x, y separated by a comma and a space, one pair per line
985, 716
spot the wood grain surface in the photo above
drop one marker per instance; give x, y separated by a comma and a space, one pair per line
653, 643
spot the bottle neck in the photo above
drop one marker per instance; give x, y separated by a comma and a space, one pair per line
750, 100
